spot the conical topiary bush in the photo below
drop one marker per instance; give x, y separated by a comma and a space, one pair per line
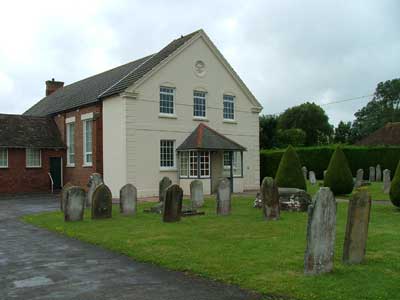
338, 176
395, 187
289, 172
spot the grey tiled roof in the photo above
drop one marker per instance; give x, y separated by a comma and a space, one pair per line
111, 82
205, 138
18, 131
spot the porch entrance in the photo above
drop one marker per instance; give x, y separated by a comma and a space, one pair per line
56, 172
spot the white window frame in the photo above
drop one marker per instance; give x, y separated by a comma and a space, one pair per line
199, 97
237, 164
184, 164
6, 158
171, 93
228, 99
28, 165
163, 167
85, 120
203, 155
193, 164
69, 122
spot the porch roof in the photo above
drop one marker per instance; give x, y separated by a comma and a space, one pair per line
205, 138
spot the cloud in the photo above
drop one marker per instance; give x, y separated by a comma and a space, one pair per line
287, 52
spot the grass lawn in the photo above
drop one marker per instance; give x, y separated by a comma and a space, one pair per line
376, 190
243, 249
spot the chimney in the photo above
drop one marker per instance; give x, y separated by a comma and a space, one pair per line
52, 86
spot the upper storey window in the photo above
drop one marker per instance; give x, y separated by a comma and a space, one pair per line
3, 158
199, 104
167, 100
229, 107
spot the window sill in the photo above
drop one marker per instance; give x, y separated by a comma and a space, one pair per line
70, 165
167, 116
4, 167
229, 121
203, 119
35, 167
173, 169
87, 165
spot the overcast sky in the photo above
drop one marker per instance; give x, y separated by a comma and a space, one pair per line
287, 52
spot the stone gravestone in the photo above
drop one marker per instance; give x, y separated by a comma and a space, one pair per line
196, 194
325, 173
371, 174
321, 230
270, 198
165, 182
311, 176
102, 202
224, 197
378, 173
128, 200
359, 178
63, 195
304, 169
358, 215
94, 181
386, 181
173, 204
293, 199
74, 205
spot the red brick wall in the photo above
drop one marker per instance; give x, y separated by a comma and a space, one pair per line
17, 178
79, 175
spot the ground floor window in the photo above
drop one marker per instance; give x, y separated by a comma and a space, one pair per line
194, 164
237, 164
167, 154
33, 158
3, 158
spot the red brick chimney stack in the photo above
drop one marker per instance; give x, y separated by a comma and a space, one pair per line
52, 86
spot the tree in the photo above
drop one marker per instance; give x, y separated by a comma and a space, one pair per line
383, 108
268, 131
343, 133
338, 176
289, 173
309, 117
294, 136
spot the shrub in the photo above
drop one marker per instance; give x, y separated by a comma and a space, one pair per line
395, 187
289, 172
338, 176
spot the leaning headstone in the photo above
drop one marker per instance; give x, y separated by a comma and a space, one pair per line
270, 198
196, 194
224, 197
378, 173
311, 176
386, 181
94, 181
304, 169
359, 178
102, 202
321, 231
371, 174
355, 240
165, 182
63, 195
74, 205
173, 204
128, 200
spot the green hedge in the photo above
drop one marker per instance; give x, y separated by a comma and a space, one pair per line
317, 159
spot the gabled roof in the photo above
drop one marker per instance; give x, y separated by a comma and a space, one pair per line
18, 131
205, 138
108, 83
387, 135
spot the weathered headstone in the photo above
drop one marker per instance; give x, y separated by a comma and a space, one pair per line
128, 199
63, 195
294, 199
196, 194
325, 173
355, 241
165, 182
94, 181
311, 176
378, 173
224, 197
74, 205
321, 231
386, 181
371, 174
304, 169
102, 202
173, 204
270, 198
359, 178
